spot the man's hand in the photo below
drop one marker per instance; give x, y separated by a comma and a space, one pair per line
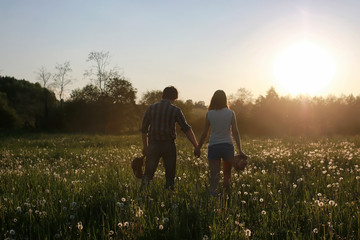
197, 152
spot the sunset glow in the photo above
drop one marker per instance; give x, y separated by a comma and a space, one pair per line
304, 68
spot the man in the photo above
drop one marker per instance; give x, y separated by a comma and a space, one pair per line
158, 136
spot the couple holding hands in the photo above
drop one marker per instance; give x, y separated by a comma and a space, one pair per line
158, 138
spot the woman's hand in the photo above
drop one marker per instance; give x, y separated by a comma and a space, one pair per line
197, 152
243, 155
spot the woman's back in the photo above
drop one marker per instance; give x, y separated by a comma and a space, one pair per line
220, 122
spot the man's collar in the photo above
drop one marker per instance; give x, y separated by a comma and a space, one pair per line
167, 100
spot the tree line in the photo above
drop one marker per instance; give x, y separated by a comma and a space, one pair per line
114, 109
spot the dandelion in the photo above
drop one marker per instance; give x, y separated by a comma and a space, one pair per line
332, 203
263, 212
111, 232
126, 224
73, 204
18, 209
161, 227
79, 226
261, 200
315, 231
247, 233
12, 232
120, 225
294, 186
162, 204
123, 199
139, 213
166, 220
205, 237
120, 204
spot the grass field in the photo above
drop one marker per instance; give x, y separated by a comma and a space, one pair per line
82, 187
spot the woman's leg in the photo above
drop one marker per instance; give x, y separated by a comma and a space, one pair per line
214, 166
227, 173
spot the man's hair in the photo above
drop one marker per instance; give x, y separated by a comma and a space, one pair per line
218, 101
170, 93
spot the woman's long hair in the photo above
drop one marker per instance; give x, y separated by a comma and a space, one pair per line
218, 101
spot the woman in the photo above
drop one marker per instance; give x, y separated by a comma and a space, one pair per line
222, 122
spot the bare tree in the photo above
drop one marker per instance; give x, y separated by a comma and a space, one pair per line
99, 72
43, 76
61, 78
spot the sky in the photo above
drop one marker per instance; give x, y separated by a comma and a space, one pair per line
198, 46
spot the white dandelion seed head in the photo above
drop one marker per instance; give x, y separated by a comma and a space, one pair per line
79, 226
247, 232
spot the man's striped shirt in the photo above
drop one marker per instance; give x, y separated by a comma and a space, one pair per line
159, 121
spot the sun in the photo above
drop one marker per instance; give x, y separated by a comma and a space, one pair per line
304, 68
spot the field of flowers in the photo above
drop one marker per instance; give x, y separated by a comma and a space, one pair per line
82, 187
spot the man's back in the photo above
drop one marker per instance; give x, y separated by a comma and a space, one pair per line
159, 121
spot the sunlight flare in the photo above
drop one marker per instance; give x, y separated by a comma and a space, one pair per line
304, 68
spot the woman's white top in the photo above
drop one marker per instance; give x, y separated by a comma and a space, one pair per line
220, 125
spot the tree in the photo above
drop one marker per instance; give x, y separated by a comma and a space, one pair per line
243, 96
9, 119
43, 76
120, 90
150, 97
90, 93
61, 78
98, 72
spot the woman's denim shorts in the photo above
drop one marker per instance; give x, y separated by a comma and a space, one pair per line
219, 151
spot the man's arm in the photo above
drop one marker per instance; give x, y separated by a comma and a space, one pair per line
144, 131
191, 136
203, 137
145, 143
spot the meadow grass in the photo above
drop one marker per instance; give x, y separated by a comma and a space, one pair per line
82, 187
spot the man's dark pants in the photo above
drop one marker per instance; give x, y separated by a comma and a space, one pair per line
160, 149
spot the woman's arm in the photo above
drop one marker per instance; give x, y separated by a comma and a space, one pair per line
235, 133
203, 137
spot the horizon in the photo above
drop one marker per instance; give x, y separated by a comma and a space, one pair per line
191, 45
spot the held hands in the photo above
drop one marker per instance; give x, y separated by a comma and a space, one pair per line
197, 152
